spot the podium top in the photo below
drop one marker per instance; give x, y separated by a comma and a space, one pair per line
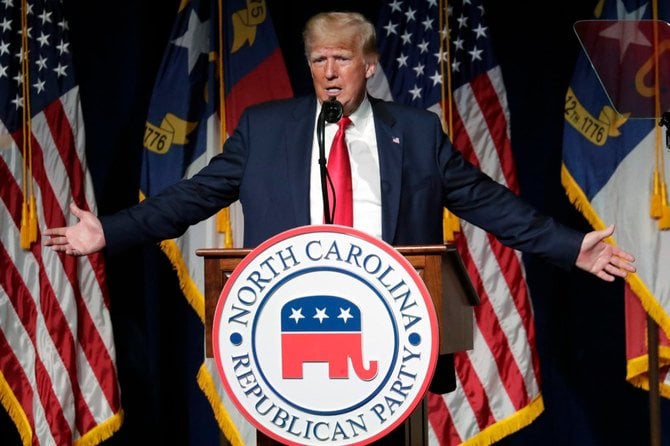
404, 250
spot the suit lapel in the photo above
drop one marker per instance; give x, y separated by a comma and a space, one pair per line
390, 148
299, 135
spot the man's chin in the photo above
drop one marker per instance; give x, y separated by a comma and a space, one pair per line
330, 98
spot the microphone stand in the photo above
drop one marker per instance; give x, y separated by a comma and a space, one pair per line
331, 111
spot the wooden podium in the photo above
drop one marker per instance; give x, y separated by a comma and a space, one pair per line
442, 270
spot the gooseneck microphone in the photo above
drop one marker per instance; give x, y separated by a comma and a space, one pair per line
331, 111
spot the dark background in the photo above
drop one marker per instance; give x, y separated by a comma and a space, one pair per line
579, 319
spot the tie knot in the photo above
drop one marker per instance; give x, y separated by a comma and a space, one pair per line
344, 122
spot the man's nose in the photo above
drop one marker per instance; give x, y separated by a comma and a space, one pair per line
330, 69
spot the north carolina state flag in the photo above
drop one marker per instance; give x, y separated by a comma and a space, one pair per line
622, 55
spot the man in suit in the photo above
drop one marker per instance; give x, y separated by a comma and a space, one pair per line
405, 171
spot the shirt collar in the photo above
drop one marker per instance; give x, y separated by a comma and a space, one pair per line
362, 114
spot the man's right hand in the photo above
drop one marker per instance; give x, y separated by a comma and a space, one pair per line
83, 238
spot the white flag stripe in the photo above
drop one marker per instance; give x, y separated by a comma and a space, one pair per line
478, 133
461, 412
432, 439
496, 78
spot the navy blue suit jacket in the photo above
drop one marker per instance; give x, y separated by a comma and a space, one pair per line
266, 164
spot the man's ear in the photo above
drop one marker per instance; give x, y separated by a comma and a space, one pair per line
370, 68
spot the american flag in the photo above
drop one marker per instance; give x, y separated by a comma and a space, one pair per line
58, 378
498, 381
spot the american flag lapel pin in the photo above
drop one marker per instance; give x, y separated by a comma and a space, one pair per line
396, 140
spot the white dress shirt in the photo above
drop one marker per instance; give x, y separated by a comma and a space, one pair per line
364, 157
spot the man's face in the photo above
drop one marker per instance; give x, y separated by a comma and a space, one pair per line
340, 71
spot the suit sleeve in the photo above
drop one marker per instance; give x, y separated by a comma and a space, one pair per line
169, 213
478, 199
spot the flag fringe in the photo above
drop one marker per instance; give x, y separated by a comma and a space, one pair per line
451, 224
102, 431
207, 385
193, 295
636, 367
97, 435
656, 312
579, 200
515, 422
637, 371
15, 411
197, 301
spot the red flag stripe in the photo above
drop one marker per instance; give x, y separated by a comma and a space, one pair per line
468, 402
486, 93
438, 417
246, 92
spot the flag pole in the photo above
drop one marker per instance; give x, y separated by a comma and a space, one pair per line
652, 327
654, 391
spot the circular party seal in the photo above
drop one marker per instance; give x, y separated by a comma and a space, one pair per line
324, 335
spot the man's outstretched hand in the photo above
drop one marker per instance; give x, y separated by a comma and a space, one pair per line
82, 238
602, 259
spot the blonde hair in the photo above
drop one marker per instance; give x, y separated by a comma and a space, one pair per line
337, 28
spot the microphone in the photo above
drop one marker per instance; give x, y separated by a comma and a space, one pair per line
331, 111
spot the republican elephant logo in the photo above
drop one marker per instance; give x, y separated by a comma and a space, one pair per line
324, 329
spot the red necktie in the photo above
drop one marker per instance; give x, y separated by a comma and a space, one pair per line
339, 170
